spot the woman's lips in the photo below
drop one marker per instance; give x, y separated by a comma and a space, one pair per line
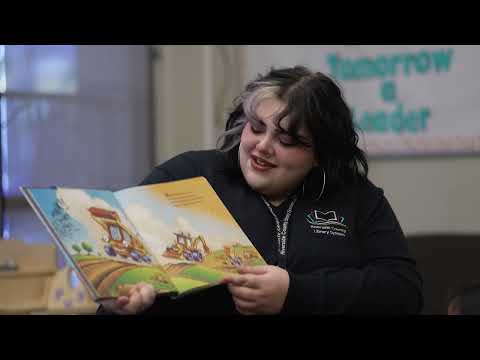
261, 164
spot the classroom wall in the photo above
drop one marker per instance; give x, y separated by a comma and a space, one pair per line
432, 194
194, 86
178, 101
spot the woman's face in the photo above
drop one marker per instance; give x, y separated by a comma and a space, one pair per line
272, 163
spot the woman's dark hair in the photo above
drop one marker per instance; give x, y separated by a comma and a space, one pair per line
311, 99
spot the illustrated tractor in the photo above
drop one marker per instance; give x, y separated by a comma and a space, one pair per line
186, 247
119, 240
232, 257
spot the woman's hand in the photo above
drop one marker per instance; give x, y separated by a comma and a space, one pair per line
140, 297
259, 289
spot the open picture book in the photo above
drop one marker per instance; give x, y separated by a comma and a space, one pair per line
178, 236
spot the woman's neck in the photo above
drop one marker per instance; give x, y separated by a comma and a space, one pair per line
275, 200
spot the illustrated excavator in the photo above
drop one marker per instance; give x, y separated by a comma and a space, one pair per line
120, 241
186, 247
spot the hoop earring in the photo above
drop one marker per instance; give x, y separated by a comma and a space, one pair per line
323, 186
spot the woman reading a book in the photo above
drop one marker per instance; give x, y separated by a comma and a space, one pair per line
289, 170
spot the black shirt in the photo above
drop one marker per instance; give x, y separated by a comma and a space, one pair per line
345, 253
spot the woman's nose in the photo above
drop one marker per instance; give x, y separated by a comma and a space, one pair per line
265, 145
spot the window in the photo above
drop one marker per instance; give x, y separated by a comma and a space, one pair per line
76, 116
115, 233
3, 83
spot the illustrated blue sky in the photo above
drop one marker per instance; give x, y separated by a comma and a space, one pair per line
46, 200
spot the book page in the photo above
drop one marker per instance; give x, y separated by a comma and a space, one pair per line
190, 231
93, 233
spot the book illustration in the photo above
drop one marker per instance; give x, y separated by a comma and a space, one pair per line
195, 239
119, 239
116, 277
97, 239
191, 262
185, 247
112, 277
177, 236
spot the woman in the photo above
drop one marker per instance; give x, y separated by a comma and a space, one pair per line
289, 170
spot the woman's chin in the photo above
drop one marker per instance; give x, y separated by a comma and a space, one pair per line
259, 185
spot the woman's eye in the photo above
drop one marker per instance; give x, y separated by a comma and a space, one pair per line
255, 129
287, 140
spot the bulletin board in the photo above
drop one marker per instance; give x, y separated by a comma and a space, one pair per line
406, 100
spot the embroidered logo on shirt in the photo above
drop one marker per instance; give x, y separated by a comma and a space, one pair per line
327, 223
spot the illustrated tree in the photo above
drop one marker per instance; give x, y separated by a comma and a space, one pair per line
77, 248
87, 247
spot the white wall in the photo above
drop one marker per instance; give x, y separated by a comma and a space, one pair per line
194, 86
432, 194
178, 103
428, 194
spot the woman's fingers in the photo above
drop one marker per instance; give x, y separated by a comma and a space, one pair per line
244, 304
258, 270
245, 293
140, 297
147, 292
133, 304
122, 301
245, 307
247, 280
